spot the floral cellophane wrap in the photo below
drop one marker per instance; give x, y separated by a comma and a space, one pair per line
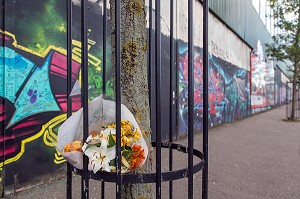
101, 114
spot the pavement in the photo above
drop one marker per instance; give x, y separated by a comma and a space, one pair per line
255, 158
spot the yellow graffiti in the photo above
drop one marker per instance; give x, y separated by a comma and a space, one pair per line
76, 51
50, 138
16, 45
58, 158
48, 125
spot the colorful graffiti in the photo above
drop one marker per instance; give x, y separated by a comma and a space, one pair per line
268, 83
280, 88
33, 95
33, 81
262, 79
228, 90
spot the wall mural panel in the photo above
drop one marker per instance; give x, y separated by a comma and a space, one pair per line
33, 83
33, 73
267, 85
228, 90
262, 78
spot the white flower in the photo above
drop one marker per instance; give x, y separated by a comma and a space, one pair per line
100, 157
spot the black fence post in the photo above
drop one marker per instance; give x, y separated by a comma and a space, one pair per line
172, 126
287, 102
104, 69
158, 97
84, 96
118, 97
205, 99
190, 99
69, 83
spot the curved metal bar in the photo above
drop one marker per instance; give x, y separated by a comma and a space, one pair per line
167, 176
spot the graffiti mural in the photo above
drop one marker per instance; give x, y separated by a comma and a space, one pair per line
33, 73
281, 86
228, 90
34, 101
268, 83
262, 80
33, 83
31, 96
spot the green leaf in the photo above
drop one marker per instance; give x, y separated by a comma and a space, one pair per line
111, 141
127, 148
90, 145
126, 154
112, 162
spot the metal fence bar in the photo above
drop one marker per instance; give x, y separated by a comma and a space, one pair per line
172, 93
287, 100
118, 97
205, 99
104, 69
150, 56
104, 46
69, 84
190, 99
158, 97
84, 96
2, 124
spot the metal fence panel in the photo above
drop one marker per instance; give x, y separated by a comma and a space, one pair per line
158, 176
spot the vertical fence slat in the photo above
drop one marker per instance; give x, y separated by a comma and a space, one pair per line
69, 83
3, 123
205, 100
104, 46
172, 83
118, 97
287, 100
84, 96
104, 70
150, 57
190, 99
158, 98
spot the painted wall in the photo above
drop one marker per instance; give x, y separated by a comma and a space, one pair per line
229, 77
33, 83
33, 79
268, 82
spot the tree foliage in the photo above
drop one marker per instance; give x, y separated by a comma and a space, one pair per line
286, 45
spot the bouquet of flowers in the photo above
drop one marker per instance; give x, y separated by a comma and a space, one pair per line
100, 146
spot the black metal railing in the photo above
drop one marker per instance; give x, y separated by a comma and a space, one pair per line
197, 160
289, 98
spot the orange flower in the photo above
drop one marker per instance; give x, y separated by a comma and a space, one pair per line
96, 134
137, 158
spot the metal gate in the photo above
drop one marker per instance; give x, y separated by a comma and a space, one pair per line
159, 176
289, 97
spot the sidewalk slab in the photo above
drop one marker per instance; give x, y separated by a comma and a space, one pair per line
258, 157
